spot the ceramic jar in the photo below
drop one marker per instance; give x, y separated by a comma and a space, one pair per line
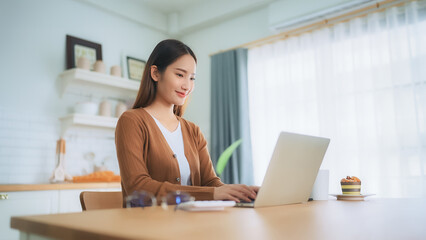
83, 63
120, 109
105, 109
100, 67
115, 71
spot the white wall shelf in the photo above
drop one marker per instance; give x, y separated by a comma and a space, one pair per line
93, 82
87, 121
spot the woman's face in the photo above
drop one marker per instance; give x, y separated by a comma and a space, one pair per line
177, 81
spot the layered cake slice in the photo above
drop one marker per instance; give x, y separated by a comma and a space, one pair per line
351, 185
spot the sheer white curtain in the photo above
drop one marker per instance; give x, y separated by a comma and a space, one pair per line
361, 83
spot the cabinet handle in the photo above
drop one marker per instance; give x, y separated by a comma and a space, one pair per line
3, 196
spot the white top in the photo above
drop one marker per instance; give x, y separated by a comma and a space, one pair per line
175, 141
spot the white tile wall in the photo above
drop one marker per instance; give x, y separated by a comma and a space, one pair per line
28, 147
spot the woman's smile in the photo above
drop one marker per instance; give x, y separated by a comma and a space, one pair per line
181, 94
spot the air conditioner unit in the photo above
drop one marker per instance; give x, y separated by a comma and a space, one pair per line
292, 22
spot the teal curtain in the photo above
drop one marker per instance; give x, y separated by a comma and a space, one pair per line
229, 114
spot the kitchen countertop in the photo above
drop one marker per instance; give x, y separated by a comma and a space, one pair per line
56, 186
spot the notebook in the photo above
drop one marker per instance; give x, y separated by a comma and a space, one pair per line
292, 170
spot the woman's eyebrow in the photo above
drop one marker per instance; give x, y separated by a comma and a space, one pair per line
183, 70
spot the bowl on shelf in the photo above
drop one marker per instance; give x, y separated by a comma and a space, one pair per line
88, 108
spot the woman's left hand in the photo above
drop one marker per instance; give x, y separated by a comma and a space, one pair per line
254, 188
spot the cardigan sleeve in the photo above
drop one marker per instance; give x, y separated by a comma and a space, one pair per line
208, 175
131, 144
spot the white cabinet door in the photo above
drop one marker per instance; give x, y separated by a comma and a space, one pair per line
69, 200
25, 203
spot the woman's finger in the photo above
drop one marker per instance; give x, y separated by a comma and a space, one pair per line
233, 198
255, 188
247, 191
240, 195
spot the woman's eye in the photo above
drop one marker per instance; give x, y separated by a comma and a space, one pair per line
193, 79
179, 75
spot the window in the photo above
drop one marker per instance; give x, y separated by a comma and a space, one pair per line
361, 83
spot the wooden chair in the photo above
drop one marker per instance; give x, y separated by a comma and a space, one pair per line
100, 200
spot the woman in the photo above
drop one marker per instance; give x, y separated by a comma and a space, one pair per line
158, 151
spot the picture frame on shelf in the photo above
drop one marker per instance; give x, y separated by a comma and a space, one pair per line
135, 68
77, 47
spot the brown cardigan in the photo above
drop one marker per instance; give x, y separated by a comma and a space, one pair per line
146, 161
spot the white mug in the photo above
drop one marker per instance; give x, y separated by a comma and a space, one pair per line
320, 189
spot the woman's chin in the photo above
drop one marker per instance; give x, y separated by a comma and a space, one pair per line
179, 103
176, 104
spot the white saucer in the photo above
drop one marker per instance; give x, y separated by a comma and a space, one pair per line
349, 197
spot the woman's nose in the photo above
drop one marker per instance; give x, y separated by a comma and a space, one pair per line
186, 84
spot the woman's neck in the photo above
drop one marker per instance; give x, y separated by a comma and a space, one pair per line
161, 110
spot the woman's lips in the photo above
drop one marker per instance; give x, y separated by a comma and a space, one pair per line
180, 94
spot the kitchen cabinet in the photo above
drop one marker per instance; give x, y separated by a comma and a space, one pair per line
21, 203
25, 203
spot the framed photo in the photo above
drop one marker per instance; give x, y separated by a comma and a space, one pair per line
77, 47
135, 68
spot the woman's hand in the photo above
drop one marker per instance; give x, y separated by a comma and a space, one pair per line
235, 192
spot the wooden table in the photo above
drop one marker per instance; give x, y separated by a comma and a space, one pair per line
369, 219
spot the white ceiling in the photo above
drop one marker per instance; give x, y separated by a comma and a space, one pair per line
171, 6
177, 17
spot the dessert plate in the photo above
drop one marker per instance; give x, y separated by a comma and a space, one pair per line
348, 197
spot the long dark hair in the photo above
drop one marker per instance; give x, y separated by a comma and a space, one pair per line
164, 54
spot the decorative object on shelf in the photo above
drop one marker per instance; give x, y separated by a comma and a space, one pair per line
115, 71
120, 109
77, 47
105, 109
135, 68
88, 108
100, 67
59, 174
83, 63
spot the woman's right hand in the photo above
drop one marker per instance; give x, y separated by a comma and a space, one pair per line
234, 192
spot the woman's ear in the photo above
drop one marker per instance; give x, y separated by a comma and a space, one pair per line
155, 75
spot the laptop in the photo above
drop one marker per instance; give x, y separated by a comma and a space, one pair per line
292, 170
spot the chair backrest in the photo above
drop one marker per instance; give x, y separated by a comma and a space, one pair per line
100, 200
